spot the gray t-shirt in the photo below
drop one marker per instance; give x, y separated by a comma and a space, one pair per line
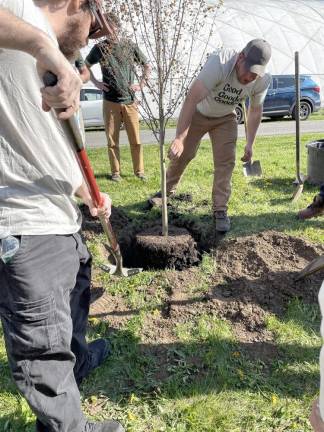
226, 92
39, 174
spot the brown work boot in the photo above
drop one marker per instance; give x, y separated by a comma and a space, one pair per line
313, 210
222, 221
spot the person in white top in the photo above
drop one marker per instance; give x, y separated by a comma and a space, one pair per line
317, 415
45, 286
226, 80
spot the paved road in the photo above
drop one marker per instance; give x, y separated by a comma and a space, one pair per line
286, 127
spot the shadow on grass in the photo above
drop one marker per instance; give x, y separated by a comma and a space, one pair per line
215, 362
205, 364
176, 370
280, 185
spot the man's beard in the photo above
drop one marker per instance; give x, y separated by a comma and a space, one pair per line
72, 39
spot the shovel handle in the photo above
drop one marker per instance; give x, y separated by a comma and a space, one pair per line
90, 178
96, 196
50, 80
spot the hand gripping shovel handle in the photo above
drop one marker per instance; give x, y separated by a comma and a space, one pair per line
96, 197
78, 141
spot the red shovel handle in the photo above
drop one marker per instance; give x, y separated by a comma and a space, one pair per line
90, 178
95, 195
50, 80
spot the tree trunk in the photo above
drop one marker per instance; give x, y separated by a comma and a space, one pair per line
165, 225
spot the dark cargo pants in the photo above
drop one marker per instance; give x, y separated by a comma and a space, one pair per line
44, 305
322, 190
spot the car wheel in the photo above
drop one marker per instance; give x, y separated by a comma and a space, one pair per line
305, 111
239, 114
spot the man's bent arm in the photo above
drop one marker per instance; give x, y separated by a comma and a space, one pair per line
146, 74
84, 194
17, 34
253, 123
197, 93
93, 79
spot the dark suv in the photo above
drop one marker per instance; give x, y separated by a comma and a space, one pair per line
280, 99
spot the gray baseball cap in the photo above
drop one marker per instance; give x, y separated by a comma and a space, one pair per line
257, 55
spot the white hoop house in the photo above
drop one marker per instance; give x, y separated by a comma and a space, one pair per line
289, 26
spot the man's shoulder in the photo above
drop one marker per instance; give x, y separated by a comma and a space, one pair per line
263, 82
225, 55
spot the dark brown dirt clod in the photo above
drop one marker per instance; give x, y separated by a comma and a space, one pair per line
178, 250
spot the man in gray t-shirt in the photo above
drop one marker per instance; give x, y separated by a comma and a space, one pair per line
227, 79
45, 280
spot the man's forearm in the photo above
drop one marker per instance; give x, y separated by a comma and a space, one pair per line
146, 74
196, 93
83, 194
16, 34
185, 118
253, 123
92, 77
84, 74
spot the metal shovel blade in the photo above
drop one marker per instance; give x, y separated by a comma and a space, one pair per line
119, 271
314, 266
252, 169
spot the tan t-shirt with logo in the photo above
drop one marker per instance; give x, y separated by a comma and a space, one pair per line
226, 92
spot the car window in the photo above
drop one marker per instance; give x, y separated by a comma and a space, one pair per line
91, 94
274, 83
285, 82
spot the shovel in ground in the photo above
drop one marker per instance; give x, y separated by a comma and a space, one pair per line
313, 267
299, 182
79, 146
251, 168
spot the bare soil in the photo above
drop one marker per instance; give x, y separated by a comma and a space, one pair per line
178, 250
253, 276
145, 246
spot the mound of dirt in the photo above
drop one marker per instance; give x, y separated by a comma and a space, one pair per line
255, 275
145, 246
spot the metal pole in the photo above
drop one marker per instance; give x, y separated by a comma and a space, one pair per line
297, 116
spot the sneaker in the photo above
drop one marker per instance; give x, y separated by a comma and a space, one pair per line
222, 221
141, 177
98, 351
313, 210
105, 426
155, 200
116, 178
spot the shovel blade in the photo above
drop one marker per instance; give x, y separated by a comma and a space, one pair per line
120, 271
252, 169
314, 266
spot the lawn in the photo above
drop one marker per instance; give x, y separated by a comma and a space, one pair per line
208, 382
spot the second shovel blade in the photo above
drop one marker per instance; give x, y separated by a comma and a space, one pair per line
252, 169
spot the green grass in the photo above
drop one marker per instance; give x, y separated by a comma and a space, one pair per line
319, 115
211, 385
256, 204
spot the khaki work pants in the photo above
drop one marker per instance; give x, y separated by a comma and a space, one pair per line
223, 135
114, 114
